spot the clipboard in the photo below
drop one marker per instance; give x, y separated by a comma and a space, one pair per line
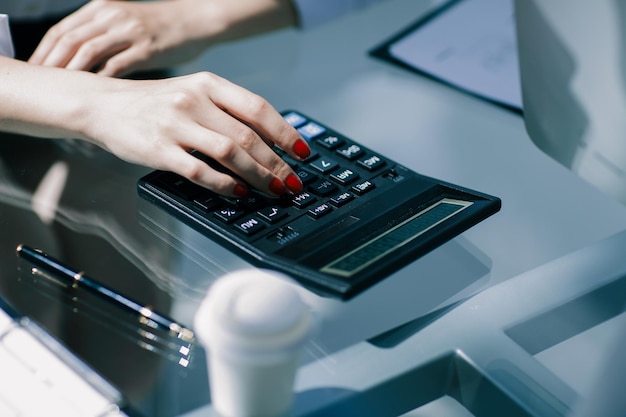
469, 45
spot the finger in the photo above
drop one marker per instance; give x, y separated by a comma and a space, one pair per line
123, 62
190, 167
52, 36
43, 49
259, 114
228, 153
97, 50
252, 144
68, 45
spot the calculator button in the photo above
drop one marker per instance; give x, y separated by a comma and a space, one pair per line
393, 175
273, 214
305, 176
180, 186
250, 226
330, 142
251, 202
341, 199
371, 163
311, 130
324, 165
291, 161
363, 187
229, 214
345, 176
283, 235
294, 119
319, 211
350, 152
323, 188
303, 199
207, 203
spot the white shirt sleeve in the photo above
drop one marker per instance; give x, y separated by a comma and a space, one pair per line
313, 13
6, 44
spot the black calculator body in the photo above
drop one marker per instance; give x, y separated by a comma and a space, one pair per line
360, 217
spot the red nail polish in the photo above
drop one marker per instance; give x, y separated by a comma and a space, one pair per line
277, 187
301, 148
240, 190
293, 183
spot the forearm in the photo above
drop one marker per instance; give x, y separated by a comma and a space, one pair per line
224, 20
46, 102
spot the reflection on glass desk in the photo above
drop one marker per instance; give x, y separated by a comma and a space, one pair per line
41, 377
93, 228
430, 285
104, 333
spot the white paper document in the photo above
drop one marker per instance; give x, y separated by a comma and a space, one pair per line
471, 45
6, 45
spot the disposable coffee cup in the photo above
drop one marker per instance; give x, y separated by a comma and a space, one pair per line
253, 324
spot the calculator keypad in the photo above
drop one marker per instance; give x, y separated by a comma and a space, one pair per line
337, 172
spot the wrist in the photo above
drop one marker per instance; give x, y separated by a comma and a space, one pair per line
226, 20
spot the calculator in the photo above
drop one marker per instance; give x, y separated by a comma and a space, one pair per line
360, 217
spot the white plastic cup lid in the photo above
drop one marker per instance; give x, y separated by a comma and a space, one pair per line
252, 310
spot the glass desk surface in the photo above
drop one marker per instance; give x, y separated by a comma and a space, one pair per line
453, 333
428, 323
80, 205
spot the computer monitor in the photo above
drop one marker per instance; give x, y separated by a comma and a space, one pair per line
573, 75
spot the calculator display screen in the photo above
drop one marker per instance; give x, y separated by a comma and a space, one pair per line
394, 238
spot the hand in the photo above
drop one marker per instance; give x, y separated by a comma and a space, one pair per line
156, 123
115, 38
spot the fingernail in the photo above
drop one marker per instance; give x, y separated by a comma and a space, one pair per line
301, 148
294, 183
240, 190
277, 187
